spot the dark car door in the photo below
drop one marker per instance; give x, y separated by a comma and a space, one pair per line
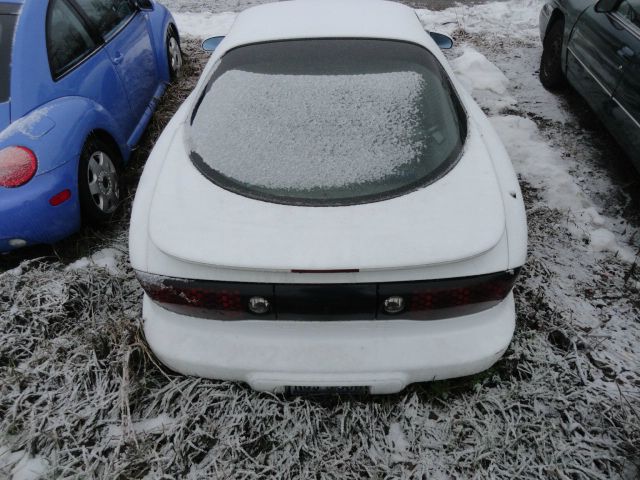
124, 30
596, 57
626, 97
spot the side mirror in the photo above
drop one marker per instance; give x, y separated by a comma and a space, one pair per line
144, 5
606, 6
210, 44
443, 41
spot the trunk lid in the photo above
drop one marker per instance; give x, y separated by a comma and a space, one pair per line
458, 217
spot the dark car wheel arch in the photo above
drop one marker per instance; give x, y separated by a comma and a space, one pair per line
552, 75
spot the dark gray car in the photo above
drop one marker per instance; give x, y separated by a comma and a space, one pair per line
595, 47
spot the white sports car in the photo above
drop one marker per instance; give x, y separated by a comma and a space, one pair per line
329, 209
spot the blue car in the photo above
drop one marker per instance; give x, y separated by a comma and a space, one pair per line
79, 81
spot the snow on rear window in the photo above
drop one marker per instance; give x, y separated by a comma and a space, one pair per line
325, 121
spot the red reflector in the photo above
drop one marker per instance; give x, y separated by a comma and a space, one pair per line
18, 165
61, 197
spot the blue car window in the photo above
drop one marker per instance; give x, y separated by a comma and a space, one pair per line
7, 25
68, 41
630, 9
106, 15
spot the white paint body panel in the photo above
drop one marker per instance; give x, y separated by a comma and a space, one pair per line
385, 356
194, 220
470, 222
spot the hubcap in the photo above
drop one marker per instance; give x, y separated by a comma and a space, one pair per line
175, 57
103, 182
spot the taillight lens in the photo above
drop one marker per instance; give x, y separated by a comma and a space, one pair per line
435, 299
207, 299
18, 165
421, 300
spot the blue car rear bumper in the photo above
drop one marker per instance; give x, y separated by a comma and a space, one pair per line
26, 214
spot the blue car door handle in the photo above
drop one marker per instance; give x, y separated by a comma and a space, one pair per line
118, 57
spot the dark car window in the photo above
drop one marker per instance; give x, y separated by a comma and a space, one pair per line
68, 42
7, 26
327, 121
630, 9
107, 15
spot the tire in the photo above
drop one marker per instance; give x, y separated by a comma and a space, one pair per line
551, 75
174, 55
99, 183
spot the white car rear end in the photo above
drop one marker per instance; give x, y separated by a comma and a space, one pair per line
287, 235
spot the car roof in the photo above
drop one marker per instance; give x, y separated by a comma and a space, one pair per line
325, 19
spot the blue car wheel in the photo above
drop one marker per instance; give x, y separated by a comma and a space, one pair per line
99, 181
174, 55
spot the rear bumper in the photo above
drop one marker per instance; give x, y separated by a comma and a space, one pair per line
386, 356
25, 212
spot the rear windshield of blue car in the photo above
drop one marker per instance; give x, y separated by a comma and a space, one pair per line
7, 26
326, 121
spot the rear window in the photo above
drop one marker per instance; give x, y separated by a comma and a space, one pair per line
7, 27
327, 121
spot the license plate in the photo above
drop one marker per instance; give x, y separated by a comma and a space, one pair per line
304, 390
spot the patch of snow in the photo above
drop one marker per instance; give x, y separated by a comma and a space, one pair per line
149, 425
543, 167
30, 468
204, 24
396, 438
106, 258
513, 19
15, 272
33, 125
22, 466
483, 79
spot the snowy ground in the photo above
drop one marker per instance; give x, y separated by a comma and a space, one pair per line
80, 395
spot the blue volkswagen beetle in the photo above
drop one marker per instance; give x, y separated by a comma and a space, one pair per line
79, 81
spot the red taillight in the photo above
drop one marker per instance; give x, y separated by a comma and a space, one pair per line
436, 299
418, 300
18, 165
203, 298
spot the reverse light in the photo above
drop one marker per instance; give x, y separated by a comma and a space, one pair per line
394, 304
18, 165
259, 305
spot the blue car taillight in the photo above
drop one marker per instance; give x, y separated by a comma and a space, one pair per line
18, 165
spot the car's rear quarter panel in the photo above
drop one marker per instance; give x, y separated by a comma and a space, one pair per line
160, 21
